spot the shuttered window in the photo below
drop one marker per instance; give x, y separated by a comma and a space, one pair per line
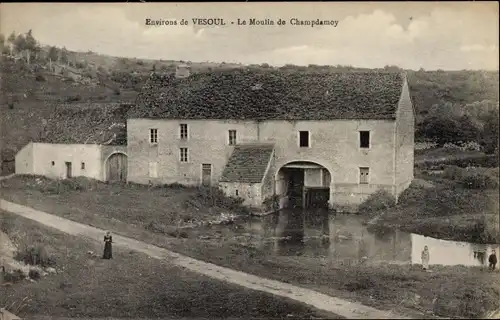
363, 175
153, 169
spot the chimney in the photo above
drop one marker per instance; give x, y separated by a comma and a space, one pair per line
182, 71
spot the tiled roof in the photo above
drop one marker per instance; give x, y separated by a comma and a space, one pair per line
247, 163
270, 94
86, 123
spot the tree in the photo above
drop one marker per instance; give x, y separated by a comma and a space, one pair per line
490, 132
440, 129
30, 42
3, 45
31, 45
12, 38
63, 55
469, 130
19, 43
53, 53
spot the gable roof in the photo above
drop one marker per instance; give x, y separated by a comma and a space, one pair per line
82, 123
271, 94
247, 163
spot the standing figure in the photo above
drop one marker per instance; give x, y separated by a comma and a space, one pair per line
108, 252
425, 258
493, 260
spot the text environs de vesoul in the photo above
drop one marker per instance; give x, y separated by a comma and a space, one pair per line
250, 22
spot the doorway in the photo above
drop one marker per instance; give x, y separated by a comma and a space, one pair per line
69, 171
304, 185
206, 174
295, 187
317, 197
116, 168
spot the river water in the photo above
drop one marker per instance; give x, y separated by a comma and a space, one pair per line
344, 238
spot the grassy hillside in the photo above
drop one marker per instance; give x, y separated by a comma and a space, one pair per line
429, 88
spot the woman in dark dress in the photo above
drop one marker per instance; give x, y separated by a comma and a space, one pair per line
108, 252
492, 259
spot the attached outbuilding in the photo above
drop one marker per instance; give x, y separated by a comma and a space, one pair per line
86, 140
63, 161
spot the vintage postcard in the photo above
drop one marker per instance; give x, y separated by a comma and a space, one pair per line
295, 160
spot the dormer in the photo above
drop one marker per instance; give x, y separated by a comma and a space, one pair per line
182, 71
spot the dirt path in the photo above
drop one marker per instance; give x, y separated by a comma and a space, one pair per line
318, 300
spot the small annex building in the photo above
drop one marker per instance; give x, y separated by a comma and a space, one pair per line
86, 140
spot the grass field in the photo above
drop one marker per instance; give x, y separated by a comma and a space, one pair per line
447, 291
131, 285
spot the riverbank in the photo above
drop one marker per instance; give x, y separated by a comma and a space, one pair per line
447, 291
442, 208
130, 285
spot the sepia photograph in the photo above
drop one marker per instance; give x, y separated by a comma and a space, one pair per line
249, 160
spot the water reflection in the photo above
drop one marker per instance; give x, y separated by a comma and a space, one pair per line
451, 252
344, 239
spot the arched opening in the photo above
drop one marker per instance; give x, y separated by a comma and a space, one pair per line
116, 167
303, 184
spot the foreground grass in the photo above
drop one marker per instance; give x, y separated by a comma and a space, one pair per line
447, 291
131, 285
159, 206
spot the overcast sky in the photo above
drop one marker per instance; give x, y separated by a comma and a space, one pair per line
431, 35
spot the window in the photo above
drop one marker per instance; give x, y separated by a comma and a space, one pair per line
153, 169
184, 154
184, 131
364, 139
153, 135
303, 139
53, 163
232, 137
83, 166
363, 175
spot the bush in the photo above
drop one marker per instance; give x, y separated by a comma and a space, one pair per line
34, 274
214, 197
155, 227
74, 98
363, 282
453, 172
178, 234
15, 276
379, 200
271, 202
479, 180
35, 255
488, 161
40, 78
472, 178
